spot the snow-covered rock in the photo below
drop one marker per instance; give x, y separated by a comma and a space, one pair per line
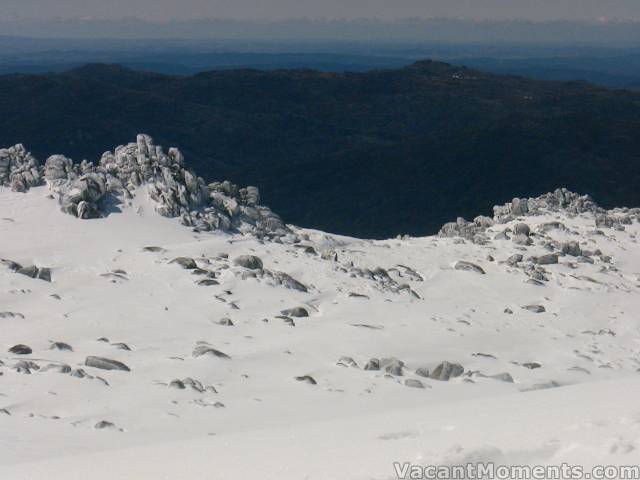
560, 201
86, 190
19, 169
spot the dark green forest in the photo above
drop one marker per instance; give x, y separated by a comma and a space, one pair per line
371, 154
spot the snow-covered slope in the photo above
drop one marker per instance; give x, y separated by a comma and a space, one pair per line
222, 374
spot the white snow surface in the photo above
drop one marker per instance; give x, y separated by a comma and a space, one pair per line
581, 406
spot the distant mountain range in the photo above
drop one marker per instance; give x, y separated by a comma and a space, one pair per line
618, 70
614, 66
189, 63
371, 154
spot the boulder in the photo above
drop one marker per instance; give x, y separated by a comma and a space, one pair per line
105, 364
348, 362
468, 266
44, 274
571, 248
604, 221
288, 281
31, 271
372, 364
522, 240
185, 262
548, 259
535, 308
514, 259
10, 264
392, 366
21, 349
413, 383
177, 384
296, 312
307, 379
445, 371
503, 377
250, 262
19, 169
57, 367
204, 349
61, 346
521, 229
532, 365
102, 424
58, 167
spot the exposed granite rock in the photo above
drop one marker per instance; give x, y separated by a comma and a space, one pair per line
535, 308
307, 379
248, 261
88, 190
372, 364
468, 266
549, 259
571, 248
185, 262
19, 169
392, 366
21, 349
413, 383
297, 312
557, 201
105, 364
445, 371
205, 349
560, 199
521, 229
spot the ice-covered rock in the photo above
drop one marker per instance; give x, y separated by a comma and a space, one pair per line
83, 189
560, 200
19, 169
58, 167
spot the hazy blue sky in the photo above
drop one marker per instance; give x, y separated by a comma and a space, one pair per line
277, 9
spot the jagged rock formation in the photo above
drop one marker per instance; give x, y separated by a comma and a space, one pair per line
41, 273
85, 190
561, 200
508, 224
18, 169
88, 190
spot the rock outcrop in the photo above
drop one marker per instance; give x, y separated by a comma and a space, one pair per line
19, 169
86, 190
561, 200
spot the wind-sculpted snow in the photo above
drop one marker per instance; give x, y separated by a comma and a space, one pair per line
89, 191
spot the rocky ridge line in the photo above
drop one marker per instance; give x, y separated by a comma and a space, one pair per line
561, 200
88, 190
